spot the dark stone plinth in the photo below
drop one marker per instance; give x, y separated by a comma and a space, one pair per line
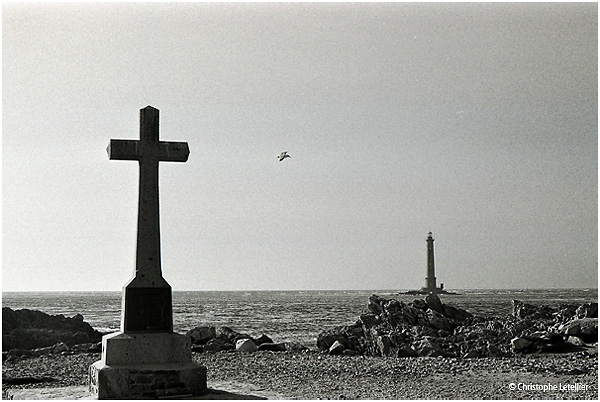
147, 309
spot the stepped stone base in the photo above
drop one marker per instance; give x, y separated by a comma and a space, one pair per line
147, 381
146, 366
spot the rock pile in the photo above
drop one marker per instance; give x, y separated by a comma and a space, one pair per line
430, 328
210, 339
30, 329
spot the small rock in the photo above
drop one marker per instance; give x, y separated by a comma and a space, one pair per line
493, 350
369, 320
95, 347
245, 345
519, 344
471, 354
274, 347
263, 339
217, 345
575, 341
336, 349
407, 351
59, 348
384, 344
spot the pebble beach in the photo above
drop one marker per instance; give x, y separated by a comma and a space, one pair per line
313, 375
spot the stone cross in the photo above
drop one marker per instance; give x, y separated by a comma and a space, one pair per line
147, 302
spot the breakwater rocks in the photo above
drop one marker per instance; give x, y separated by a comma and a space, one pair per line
35, 331
431, 328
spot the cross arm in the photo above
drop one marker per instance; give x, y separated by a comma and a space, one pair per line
123, 150
173, 151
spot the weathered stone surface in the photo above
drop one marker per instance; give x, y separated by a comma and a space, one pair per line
327, 338
438, 321
434, 303
60, 347
31, 329
201, 335
519, 344
217, 345
574, 340
385, 346
369, 320
587, 310
406, 351
273, 347
427, 347
245, 345
263, 339
525, 310
229, 335
146, 382
584, 328
455, 313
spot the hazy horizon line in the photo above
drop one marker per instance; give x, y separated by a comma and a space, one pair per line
302, 290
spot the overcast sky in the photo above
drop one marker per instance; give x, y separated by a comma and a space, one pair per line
477, 122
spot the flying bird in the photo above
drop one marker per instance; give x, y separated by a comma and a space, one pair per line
283, 155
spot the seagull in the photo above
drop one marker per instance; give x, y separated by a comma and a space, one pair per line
283, 155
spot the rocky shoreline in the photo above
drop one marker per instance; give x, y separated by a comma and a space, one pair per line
431, 328
419, 350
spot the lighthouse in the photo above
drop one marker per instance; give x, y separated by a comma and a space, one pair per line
430, 281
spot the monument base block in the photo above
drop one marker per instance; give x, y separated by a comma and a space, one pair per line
146, 366
147, 381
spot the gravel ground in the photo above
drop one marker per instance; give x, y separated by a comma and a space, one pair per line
312, 375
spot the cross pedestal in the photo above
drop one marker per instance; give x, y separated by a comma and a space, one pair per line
146, 359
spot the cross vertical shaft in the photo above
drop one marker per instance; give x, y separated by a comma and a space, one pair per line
148, 263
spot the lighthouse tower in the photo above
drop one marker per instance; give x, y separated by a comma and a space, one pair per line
430, 281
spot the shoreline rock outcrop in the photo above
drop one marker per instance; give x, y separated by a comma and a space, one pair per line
431, 328
31, 330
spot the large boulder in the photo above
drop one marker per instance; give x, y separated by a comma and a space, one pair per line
32, 329
434, 303
231, 336
587, 310
201, 335
584, 328
439, 321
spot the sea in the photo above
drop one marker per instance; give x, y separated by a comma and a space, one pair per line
285, 316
